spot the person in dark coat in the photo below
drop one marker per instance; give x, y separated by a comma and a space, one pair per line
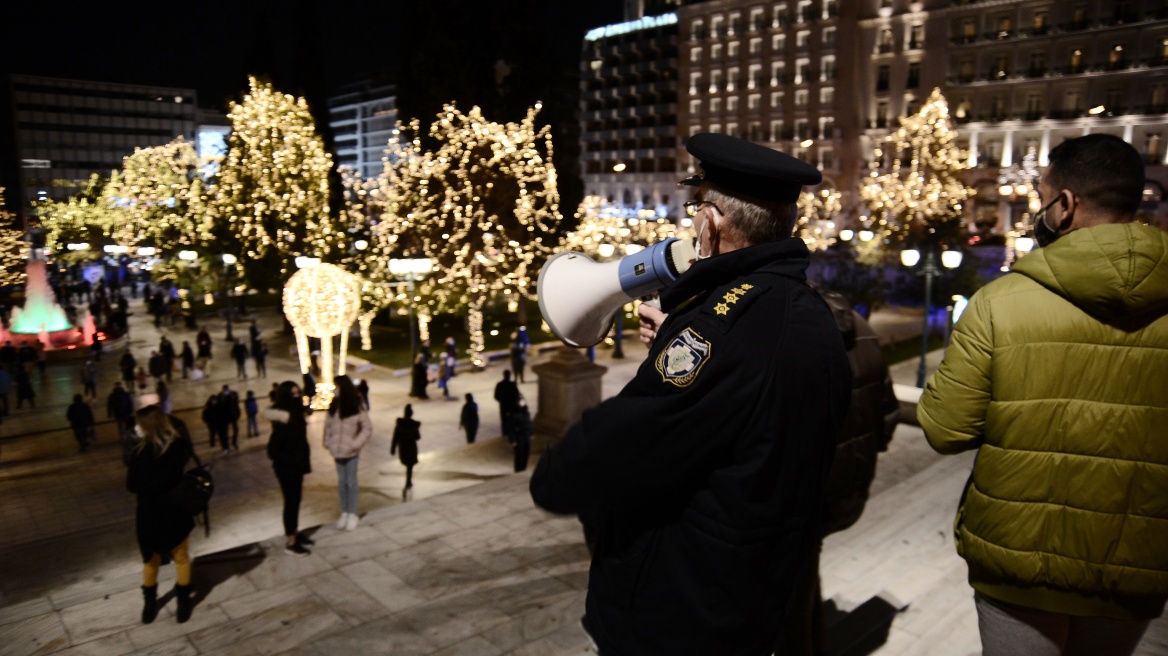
128, 364
229, 401
520, 435
188, 359
119, 406
157, 365
203, 342
469, 419
702, 480
363, 390
89, 378
405, 441
166, 350
251, 408
163, 528
507, 394
259, 353
867, 430
518, 357
239, 354
8, 355
5, 385
288, 451
215, 417
419, 378
80, 418
24, 390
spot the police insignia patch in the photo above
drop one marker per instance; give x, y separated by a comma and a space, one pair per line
681, 361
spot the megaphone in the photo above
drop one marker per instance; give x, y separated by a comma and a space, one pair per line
579, 297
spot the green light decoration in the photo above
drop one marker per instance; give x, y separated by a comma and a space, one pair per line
40, 312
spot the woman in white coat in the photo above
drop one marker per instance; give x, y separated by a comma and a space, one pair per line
346, 430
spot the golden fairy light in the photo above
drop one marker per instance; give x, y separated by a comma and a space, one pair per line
914, 182
322, 301
13, 248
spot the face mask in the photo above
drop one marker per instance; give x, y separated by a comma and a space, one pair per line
1043, 233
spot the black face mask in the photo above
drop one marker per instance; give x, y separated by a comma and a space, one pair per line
1043, 233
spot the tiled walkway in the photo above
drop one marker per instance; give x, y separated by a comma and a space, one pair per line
467, 566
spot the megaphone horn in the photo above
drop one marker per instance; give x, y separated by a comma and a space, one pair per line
579, 297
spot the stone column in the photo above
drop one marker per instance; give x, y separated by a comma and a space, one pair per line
569, 384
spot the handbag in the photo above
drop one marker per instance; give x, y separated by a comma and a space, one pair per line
193, 492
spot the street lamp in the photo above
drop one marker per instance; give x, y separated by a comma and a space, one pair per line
410, 270
228, 261
909, 257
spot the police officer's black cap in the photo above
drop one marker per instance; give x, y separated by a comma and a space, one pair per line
749, 168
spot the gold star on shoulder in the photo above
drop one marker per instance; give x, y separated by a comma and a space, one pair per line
731, 297
741, 291
721, 308
748, 286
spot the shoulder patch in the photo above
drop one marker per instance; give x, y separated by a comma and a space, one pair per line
728, 303
680, 361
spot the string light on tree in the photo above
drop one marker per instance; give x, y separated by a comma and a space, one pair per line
14, 248
271, 194
483, 204
919, 192
818, 213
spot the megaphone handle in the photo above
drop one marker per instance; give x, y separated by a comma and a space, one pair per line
652, 300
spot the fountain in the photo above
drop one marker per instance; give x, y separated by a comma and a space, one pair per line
41, 319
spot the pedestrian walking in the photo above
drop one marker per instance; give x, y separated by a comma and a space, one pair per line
128, 365
507, 395
214, 417
405, 441
166, 350
163, 392
188, 359
162, 527
119, 406
229, 401
24, 390
80, 418
419, 378
42, 358
8, 355
251, 408
468, 420
259, 353
89, 378
346, 430
239, 354
289, 453
518, 357
520, 434
203, 342
451, 354
363, 388
142, 379
445, 372
1055, 376
157, 365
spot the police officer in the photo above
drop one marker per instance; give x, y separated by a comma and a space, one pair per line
702, 481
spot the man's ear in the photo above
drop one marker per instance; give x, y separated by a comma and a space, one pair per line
1070, 204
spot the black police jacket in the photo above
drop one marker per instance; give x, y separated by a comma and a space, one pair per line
703, 479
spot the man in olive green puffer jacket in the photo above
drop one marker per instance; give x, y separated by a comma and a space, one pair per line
1058, 375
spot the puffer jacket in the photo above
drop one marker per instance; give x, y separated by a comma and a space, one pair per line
869, 424
1058, 376
344, 438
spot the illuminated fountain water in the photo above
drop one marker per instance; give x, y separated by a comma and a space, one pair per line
41, 319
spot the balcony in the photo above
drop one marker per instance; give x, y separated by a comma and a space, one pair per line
964, 39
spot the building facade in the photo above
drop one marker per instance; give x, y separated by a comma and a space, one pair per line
67, 130
362, 119
628, 107
1020, 76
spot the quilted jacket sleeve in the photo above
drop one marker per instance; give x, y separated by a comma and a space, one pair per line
952, 409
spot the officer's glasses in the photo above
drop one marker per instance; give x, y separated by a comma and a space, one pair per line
692, 206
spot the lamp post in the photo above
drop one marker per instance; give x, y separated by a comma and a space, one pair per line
409, 270
228, 261
909, 258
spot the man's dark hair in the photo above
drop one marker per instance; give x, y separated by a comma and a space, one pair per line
753, 220
1104, 170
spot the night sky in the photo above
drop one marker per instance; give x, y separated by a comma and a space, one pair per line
436, 50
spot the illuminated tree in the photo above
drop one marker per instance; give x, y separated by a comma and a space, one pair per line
158, 199
270, 202
818, 213
482, 203
919, 194
13, 248
87, 216
601, 226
